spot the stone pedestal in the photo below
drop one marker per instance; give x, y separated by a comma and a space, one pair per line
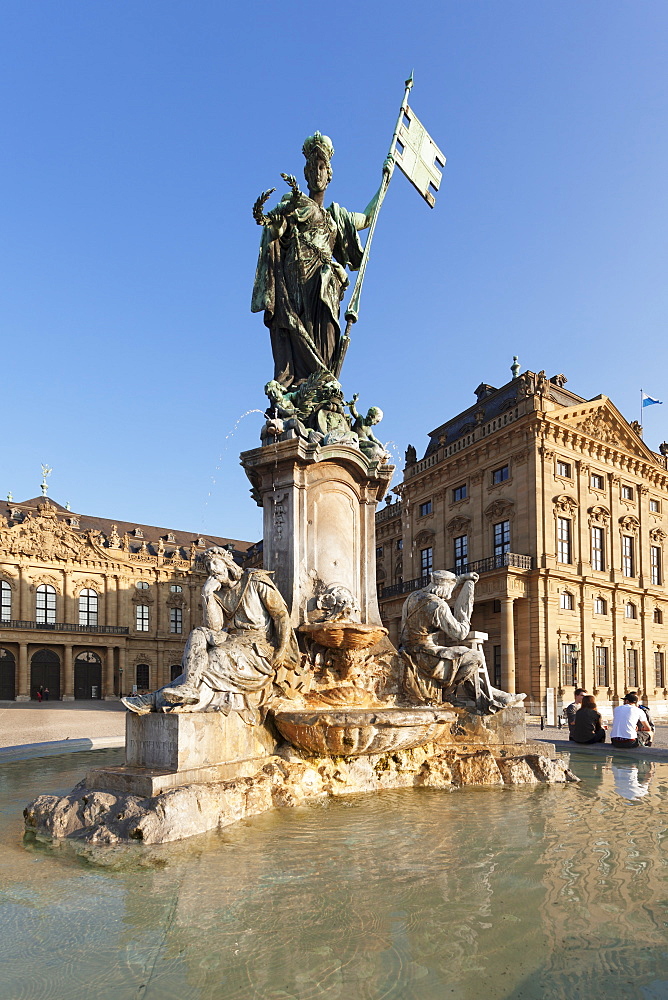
165, 751
319, 520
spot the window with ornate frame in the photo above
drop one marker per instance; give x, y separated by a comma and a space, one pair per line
5, 601
426, 508
141, 618
45, 604
659, 673
563, 539
142, 676
631, 667
426, 561
88, 605
597, 482
602, 666
630, 610
657, 617
500, 475
564, 469
597, 549
600, 606
566, 601
176, 621
628, 561
655, 564
459, 493
569, 664
655, 506
627, 493
461, 545
501, 538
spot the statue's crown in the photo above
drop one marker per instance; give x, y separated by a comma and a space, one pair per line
318, 143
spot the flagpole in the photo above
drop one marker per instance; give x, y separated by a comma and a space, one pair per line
353, 306
641, 395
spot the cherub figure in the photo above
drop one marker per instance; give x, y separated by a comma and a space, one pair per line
368, 442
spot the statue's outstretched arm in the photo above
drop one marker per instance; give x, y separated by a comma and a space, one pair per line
363, 219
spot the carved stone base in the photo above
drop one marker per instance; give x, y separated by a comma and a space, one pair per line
102, 816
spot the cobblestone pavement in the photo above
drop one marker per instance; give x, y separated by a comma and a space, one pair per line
552, 734
31, 722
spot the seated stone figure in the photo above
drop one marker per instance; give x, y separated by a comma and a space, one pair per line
446, 673
230, 663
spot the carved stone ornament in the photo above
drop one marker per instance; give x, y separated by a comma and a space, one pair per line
657, 535
597, 426
175, 601
547, 454
424, 537
477, 477
500, 509
142, 597
48, 580
565, 504
598, 514
629, 523
44, 537
96, 585
520, 457
458, 525
6, 578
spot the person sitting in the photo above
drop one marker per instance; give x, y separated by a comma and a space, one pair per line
588, 727
628, 719
571, 710
645, 738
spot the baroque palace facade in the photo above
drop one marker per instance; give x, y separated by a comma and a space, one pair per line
560, 506
91, 608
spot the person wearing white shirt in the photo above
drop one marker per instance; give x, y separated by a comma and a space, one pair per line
627, 720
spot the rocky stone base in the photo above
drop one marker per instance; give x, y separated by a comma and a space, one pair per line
99, 816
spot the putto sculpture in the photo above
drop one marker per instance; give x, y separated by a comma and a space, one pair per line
230, 664
436, 673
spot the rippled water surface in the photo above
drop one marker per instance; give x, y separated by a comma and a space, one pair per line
548, 892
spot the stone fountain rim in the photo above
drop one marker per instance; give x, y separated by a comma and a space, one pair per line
393, 716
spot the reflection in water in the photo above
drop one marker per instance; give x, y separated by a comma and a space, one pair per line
632, 780
549, 892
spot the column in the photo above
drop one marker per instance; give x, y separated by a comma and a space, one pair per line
22, 610
507, 645
125, 683
68, 680
159, 664
23, 693
108, 688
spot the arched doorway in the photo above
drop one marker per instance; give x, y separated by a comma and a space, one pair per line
87, 675
45, 673
7, 675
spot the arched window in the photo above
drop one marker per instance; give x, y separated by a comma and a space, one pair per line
600, 607
5, 601
88, 607
45, 604
658, 616
630, 611
566, 600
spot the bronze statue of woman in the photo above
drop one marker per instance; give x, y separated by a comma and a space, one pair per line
301, 276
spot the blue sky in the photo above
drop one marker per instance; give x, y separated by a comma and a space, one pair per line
137, 136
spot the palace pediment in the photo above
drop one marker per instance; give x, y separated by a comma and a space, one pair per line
43, 536
600, 419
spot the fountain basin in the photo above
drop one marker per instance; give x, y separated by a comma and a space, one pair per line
344, 635
355, 732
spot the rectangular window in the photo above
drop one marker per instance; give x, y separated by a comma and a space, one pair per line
563, 540
459, 493
461, 553
655, 564
658, 616
569, 664
400, 544
497, 667
176, 621
597, 549
628, 568
654, 506
501, 540
630, 611
631, 668
564, 469
141, 618
658, 670
5, 601
425, 508
500, 475
602, 666
45, 605
597, 482
426, 561
566, 601
142, 676
627, 493
379, 551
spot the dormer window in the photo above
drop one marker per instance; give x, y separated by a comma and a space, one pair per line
201, 543
138, 533
73, 522
171, 537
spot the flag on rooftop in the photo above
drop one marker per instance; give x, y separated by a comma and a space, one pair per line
649, 400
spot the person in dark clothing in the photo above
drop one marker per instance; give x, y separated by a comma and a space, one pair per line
645, 739
571, 710
587, 726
